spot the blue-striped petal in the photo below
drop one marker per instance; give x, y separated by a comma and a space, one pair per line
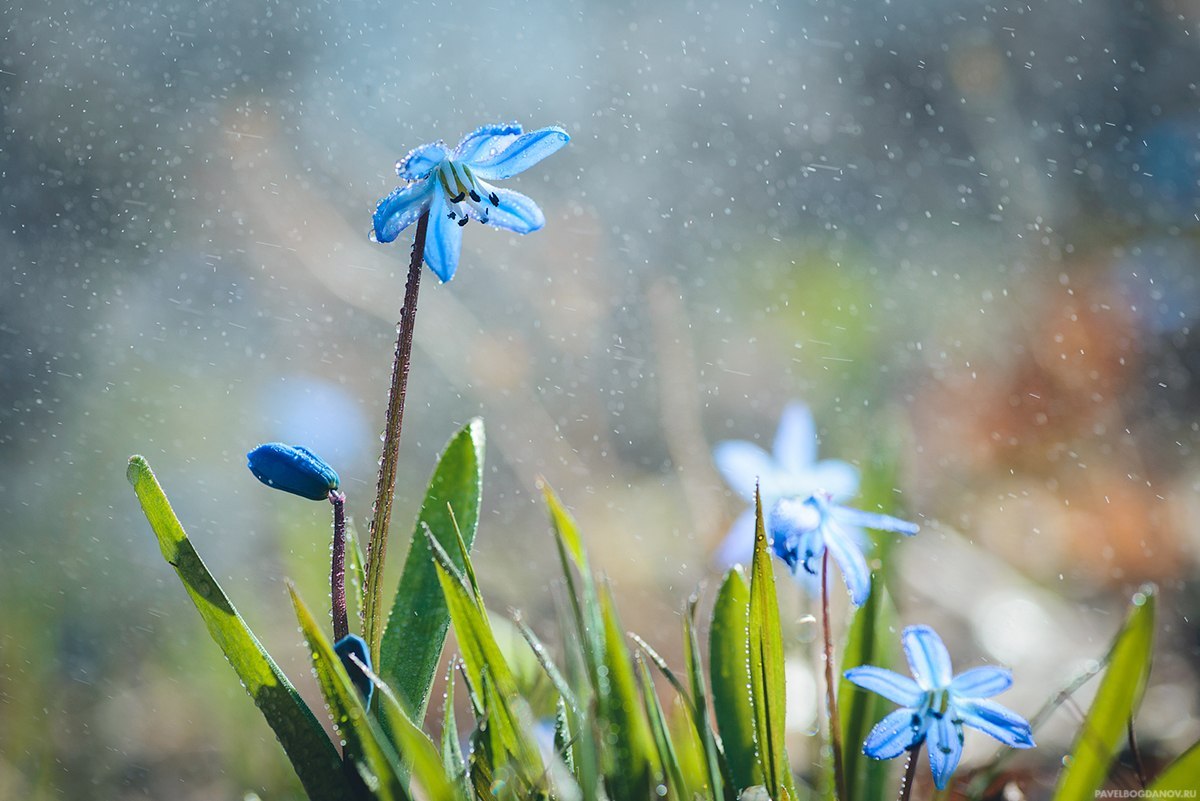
927, 657
527, 150
857, 517
981, 682
421, 161
891, 685
795, 447
443, 242
833, 476
999, 721
743, 465
944, 743
892, 736
401, 209
292, 469
851, 561
515, 212
486, 141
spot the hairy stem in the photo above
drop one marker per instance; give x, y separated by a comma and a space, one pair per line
835, 724
385, 486
910, 772
337, 569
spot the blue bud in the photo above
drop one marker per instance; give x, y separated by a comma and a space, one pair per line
353, 644
292, 469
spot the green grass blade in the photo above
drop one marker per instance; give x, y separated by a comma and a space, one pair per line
565, 693
767, 693
452, 755
719, 784
1181, 775
416, 628
729, 666
632, 764
366, 745
1104, 729
303, 739
676, 785
870, 641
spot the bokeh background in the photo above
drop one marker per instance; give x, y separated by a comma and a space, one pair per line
966, 235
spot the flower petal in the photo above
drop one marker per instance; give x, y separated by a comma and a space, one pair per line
999, 721
421, 161
927, 657
981, 682
834, 476
443, 243
944, 742
891, 685
892, 736
515, 212
851, 560
738, 545
486, 141
743, 465
796, 439
344, 648
522, 154
857, 517
400, 209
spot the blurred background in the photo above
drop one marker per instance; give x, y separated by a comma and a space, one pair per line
965, 235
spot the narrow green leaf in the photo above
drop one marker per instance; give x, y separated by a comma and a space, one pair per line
303, 738
565, 693
631, 764
452, 755
869, 642
767, 684
1181, 775
719, 779
729, 665
676, 785
1117, 699
366, 745
416, 628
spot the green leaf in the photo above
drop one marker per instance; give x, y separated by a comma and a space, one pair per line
869, 642
767, 684
416, 628
303, 738
676, 786
1105, 727
452, 755
729, 666
1182, 774
366, 746
719, 780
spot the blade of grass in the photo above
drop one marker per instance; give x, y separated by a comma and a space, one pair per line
416, 628
366, 745
719, 779
1116, 702
1178, 778
303, 738
452, 755
676, 786
729, 667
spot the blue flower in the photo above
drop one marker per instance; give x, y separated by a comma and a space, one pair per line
353, 644
801, 530
292, 469
936, 706
791, 471
452, 185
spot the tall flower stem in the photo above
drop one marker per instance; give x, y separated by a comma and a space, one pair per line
835, 723
910, 772
385, 486
337, 569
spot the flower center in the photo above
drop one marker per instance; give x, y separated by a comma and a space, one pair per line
465, 192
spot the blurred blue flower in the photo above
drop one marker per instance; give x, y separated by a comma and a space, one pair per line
453, 187
801, 530
292, 469
353, 644
936, 706
791, 471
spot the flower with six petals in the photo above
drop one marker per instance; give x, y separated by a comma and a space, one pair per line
453, 186
935, 705
790, 471
801, 530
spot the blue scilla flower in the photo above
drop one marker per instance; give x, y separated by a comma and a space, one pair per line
293, 469
801, 530
935, 705
353, 644
453, 186
790, 471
